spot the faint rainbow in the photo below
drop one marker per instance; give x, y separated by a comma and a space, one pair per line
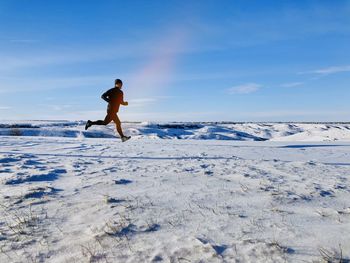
154, 77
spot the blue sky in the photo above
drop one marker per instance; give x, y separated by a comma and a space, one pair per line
179, 60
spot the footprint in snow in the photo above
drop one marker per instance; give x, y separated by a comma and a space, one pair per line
6, 170
32, 162
219, 249
9, 160
157, 259
38, 193
325, 193
41, 192
111, 200
51, 176
209, 173
123, 181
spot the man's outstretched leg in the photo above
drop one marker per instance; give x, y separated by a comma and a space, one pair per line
107, 120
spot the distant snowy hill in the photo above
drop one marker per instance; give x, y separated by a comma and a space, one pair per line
185, 130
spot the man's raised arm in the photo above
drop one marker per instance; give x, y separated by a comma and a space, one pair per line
105, 96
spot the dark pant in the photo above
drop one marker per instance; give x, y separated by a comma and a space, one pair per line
111, 116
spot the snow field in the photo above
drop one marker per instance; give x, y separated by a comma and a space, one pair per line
100, 200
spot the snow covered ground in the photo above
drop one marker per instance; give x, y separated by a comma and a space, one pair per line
274, 196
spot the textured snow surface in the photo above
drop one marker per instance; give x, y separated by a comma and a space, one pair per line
100, 200
187, 130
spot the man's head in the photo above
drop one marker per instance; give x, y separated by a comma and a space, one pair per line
118, 83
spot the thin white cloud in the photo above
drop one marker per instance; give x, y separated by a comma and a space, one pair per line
5, 108
59, 107
23, 41
143, 102
75, 115
133, 103
127, 116
71, 56
291, 84
244, 88
329, 70
290, 113
11, 85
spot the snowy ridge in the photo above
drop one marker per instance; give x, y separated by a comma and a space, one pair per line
185, 130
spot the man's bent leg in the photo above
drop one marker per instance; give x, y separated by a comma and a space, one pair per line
107, 120
99, 122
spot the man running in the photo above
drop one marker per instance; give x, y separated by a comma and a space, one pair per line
114, 97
